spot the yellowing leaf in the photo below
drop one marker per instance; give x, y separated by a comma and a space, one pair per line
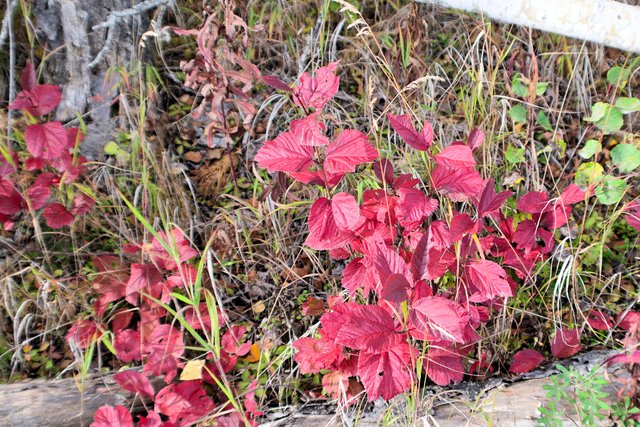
254, 354
192, 370
259, 307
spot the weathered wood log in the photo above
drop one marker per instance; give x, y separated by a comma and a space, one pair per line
606, 22
62, 403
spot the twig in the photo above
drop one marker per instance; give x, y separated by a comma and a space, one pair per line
112, 20
6, 21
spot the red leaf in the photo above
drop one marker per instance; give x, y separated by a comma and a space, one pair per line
632, 216
232, 340
315, 355
533, 202
134, 382
57, 216
250, 403
348, 150
127, 344
317, 91
47, 140
490, 202
40, 100
82, 204
276, 83
82, 333
143, 276
383, 169
366, 327
459, 183
387, 262
572, 194
183, 403
345, 210
456, 156
38, 197
108, 416
388, 373
633, 358
28, 77
284, 154
403, 126
525, 361
353, 276
599, 320
414, 207
395, 288
324, 232
309, 131
420, 258
476, 138
312, 307
178, 242
566, 343
10, 200
439, 318
489, 278
444, 366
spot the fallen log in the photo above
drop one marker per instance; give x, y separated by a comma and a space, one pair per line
63, 402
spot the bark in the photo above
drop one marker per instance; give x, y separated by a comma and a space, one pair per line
90, 40
60, 403
606, 22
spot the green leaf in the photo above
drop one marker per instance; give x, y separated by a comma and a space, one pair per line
610, 190
518, 113
626, 157
605, 117
541, 88
588, 173
628, 105
514, 155
112, 148
591, 147
543, 121
598, 111
618, 75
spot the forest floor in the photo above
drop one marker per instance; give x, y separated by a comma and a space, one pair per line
192, 260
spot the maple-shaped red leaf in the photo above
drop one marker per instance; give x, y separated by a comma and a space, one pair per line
143, 276
128, 345
315, 354
566, 343
324, 232
476, 139
134, 382
403, 126
317, 91
388, 373
348, 151
284, 154
458, 184
276, 83
491, 202
455, 156
444, 366
413, 207
525, 361
57, 216
47, 140
183, 403
108, 416
489, 279
345, 210
366, 327
309, 131
439, 318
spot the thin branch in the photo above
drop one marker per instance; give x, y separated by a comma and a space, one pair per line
6, 21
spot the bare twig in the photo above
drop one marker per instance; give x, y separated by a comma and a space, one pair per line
112, 20
6, 21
